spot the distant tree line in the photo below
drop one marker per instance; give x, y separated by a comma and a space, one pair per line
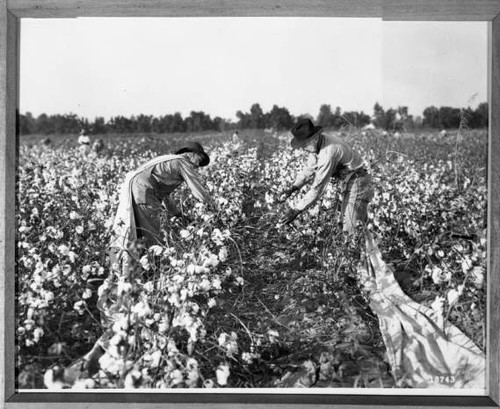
449, 118
278, 119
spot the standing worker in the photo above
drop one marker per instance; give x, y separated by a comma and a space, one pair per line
236, 144
140, 202
139, 217
330, 157
83, 142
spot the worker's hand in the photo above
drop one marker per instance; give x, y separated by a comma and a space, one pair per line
285, 194
289, 216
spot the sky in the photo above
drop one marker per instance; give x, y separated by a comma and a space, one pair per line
104, 67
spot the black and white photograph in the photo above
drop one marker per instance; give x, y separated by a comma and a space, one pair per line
252, 204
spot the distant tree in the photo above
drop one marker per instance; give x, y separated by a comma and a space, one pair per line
450, 118
99, 126
244, 121
44, 125
304, 116
479, 117
384, 119
189, 124
431, 118
338, 120
390, 120
355, 119
325, 117
83, 123
144, 123
159, 125
279, 118
256, 117
200, 122
121, 124
418, 122
401, 119
220, 124
379, 119
177, 123
27, 124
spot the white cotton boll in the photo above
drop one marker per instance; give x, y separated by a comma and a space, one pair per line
123, 288
223, 254
117, 338
216, 283
222, 374
145, 263
176, 377
208, 383
53, 379
439, 276
74, 215
133, 380
211, 261
247, 357
466, 264
164, 325
437, 305
72, 256
452, 296
120, 324
87, 294
205, 285
477, 277
201, 270
81, 384
80, 307
222, 338
192, 373
221, 201
155, 359
37, 334
141, 309
149, 287
156, 250
63, 249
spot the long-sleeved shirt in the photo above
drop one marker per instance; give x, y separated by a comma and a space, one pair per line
334, 159
161, 179
153, 181
84, 140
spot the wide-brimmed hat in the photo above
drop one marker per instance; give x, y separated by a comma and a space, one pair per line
196, 148
302, 133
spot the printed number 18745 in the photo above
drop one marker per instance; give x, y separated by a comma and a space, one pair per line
445, 379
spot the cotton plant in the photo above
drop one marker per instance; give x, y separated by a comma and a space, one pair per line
66, 210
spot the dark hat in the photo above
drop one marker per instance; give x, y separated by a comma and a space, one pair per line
302, 132
196, 148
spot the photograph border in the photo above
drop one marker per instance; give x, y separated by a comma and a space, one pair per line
11, 13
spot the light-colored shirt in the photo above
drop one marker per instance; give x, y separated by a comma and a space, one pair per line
334, 159
83, 140
161, 179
